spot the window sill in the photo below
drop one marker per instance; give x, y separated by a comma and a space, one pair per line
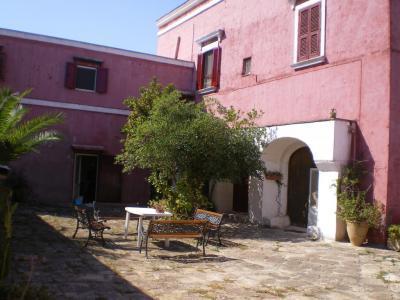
85, 90
309, 63
207, 90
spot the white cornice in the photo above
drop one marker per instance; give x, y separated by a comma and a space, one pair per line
94, 47
183, 13
177, 12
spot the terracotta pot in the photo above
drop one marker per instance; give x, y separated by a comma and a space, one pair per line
394, 244
357, 232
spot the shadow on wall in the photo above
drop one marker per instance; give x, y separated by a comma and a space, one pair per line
364, 154
62, 266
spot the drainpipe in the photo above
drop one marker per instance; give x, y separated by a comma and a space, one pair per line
353, 132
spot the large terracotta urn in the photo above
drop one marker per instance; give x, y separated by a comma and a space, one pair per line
357, 232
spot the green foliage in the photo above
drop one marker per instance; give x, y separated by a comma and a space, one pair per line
351, 198
394, 232
18, 137
185, 145
7, 210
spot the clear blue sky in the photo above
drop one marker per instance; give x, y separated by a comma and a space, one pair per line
127, 24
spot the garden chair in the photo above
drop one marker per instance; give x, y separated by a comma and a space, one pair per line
214, 221
86, 219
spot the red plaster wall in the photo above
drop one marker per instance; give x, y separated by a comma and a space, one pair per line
394, 159
41, 66
355, 80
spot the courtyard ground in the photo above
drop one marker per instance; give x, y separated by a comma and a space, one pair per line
253, 263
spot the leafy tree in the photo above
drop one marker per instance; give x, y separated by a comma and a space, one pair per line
185, 145
17, 136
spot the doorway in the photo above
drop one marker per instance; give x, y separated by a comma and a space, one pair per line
85, 178
241, 196
300, 164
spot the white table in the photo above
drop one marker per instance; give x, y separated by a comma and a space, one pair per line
142, 212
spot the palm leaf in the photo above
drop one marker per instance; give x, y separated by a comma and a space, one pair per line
18, 137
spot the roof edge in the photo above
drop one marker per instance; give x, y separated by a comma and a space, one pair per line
178, 11
94, 47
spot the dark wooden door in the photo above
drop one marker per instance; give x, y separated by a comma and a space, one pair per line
300, 164
241, 196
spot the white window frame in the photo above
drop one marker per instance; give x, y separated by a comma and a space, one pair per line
204, 47
95, 78
315, 60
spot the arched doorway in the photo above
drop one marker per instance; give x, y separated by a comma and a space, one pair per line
300, 163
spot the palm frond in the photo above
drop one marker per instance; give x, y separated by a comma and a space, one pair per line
18, 137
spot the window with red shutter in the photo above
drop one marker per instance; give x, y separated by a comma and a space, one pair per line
208, 69
309, 28
86, 74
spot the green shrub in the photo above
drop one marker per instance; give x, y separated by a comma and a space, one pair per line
352, 206
394, 232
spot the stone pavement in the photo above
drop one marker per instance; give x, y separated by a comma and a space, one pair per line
253, 263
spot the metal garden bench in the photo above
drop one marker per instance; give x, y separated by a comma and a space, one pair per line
179, 229
214, 222
86, 220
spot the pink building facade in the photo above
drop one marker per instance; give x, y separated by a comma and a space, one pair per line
326, 75
87, 83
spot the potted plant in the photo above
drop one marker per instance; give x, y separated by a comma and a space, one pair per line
353, 208
393, 241
158, 205
273, 175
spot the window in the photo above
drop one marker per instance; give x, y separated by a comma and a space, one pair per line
309, 33
85, 78
87, 75
246, 69
209, 62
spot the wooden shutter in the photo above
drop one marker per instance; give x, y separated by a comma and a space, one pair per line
216, 67
2, 63
101, 80
200, 72
315, 30
70, 76
309, 36
303, 41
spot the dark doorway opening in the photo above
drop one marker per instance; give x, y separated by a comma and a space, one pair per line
241, 196
300, 164
85, 181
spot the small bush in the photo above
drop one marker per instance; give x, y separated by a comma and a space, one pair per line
394, 232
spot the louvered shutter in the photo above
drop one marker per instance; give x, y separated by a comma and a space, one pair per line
315, 30
2, 64
101, 80
70, 76
200, 72
309, 36
303, 39
216, 67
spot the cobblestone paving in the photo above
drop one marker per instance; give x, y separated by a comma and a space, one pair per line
254, 263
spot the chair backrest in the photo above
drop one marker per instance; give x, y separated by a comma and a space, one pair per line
214, 219
184, 228
82, 215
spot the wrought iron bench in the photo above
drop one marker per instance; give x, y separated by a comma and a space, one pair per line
86, 220
214, 222
179, 229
